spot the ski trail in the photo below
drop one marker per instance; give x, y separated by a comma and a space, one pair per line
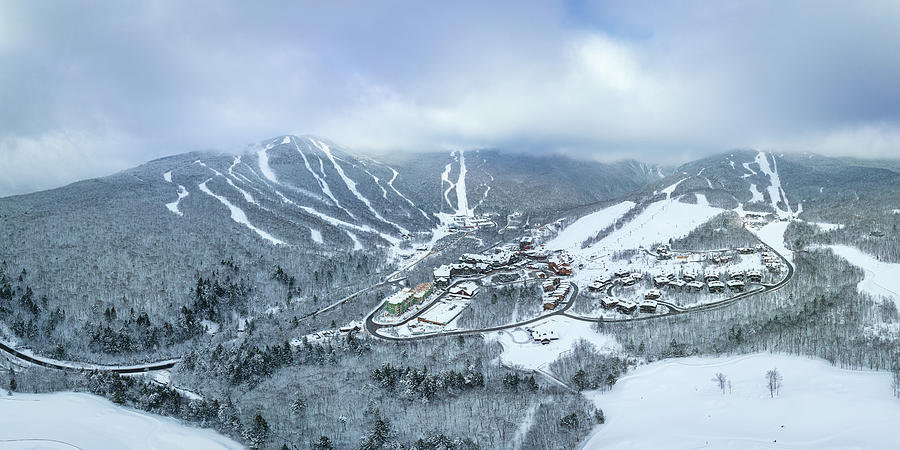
708, 183
668, 191
747, 166
445, 178
353, 226
182, 193
249, 198
391, 184
351, 185
383, 190
238, 215
263, 157
484, 197
356, 244
462, 201
776, 193
322, 183
756, 195
168, 176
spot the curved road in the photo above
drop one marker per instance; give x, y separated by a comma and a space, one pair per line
74, 366
372, 327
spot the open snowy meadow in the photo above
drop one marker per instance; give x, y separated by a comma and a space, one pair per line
675, 404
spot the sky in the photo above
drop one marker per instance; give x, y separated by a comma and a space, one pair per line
88, 88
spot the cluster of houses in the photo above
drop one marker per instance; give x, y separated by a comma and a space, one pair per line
556, 291
629, 307
473, 263
401, 301
771, 262
466, 223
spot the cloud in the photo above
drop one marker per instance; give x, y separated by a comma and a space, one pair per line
656, 82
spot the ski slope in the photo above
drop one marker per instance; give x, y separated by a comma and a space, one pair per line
882, 279
674, 404
263, 157
238, 215
659, 222
70, 420
773, 235
173, 206
321, 180
391, 184
588, 226
462, 200
776, 193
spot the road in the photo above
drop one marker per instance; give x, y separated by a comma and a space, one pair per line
74, 366
672, 310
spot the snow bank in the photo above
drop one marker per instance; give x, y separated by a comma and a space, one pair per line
588, 226
73, 420
819, 406
520, 350
882, 279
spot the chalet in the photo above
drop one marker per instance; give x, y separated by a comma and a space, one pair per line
711, 275
544, 337
603, 279
622, 273
351, 327
745, 250
399, 302
774, 267
628, 281
695, 286
637, 275
735, 285
649, 306
465, 290
660, 281
559, 268
549, 285
626, 306
652, 294
442, 276
754, 276
689, 275
595, 286
609, 302
677, 284
526, 243
716, 286
735, 274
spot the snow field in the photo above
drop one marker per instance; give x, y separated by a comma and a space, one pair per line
173, 206
773, 235
882, 279
588, 226
521, 351
73, 420
818, 407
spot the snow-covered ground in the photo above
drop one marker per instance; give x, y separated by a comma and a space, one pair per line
182, 193
675, 404
827, 226
521, 351
588, 226
776, 193
882, 279
773, 235
74, 420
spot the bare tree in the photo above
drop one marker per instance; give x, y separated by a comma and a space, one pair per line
773, 382
720, 379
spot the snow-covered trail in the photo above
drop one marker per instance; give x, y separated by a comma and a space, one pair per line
351, 185
668, 190
445, 178
263, 160
462, 200
882, 279
747, 166
173, 206
168, 176
484, 196
391, 184
249, 198
773, 235
757, 196
238, 215
321, 180
341, 223
776, 193
687, 409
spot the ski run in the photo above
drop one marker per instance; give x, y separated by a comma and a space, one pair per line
238, 215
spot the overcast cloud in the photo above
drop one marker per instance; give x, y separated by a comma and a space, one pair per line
88, 88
